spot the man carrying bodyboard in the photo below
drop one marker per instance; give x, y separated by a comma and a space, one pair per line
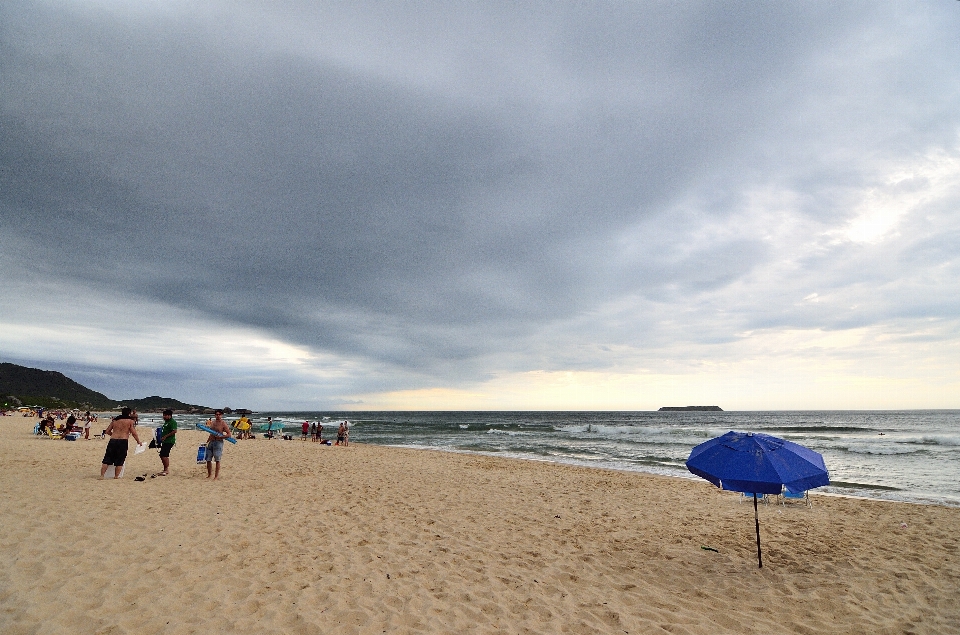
119, 430
215, 442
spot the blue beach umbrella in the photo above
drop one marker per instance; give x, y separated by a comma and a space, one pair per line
756, 463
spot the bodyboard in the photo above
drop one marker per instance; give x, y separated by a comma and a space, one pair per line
200, 426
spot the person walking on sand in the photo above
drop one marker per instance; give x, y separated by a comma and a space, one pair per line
215, 443
120, 431
168, 438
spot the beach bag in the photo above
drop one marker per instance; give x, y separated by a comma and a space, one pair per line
201, 454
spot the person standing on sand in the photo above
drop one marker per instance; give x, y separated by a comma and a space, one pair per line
86, 425
168, 438
120, 430
304, 430
243, 427
342, 434
215, 443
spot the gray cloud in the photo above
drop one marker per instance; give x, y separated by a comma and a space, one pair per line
432, 191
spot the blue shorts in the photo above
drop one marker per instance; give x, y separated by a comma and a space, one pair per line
214, 450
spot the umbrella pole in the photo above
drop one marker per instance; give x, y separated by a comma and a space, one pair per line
756, 517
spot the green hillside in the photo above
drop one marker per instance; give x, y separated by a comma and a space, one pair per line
155, 403
48, 388
20, 385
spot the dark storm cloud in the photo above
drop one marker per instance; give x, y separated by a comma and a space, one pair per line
429, 187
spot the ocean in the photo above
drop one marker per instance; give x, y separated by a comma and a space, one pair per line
910, 455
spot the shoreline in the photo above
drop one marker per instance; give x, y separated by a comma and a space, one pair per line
680, 476
893, 495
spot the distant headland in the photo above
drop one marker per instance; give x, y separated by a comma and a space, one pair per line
35, 387
691, 409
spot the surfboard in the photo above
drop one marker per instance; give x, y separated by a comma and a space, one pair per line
200, 426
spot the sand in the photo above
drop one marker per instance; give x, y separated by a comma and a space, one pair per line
303, 538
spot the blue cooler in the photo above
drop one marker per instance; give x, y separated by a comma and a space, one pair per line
72, 436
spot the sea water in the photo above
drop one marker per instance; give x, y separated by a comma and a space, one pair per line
911, 455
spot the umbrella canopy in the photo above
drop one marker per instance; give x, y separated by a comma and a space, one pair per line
757, 463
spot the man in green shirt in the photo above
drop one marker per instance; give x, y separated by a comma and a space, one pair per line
168, 437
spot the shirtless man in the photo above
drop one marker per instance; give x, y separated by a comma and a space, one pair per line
215, 443
120, 431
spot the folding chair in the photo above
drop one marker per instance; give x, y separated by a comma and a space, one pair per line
788, 494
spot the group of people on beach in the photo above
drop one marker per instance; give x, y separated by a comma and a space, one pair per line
124, 426
315, 431
242, 427
48, 425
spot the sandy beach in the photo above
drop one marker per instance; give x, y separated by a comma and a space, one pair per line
303, 538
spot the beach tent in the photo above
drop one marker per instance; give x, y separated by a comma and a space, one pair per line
755, 463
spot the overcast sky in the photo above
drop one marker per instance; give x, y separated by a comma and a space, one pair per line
610, 205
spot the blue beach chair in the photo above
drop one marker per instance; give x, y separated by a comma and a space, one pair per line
788, 494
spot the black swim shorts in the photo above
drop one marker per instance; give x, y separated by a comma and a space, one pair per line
165, 450
116, 452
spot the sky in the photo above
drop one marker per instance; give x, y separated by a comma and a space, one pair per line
297, 205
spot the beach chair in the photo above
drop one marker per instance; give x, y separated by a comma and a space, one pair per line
790, 495
53, 433
748, 496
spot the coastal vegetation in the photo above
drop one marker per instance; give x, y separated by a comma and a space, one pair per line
24, 386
